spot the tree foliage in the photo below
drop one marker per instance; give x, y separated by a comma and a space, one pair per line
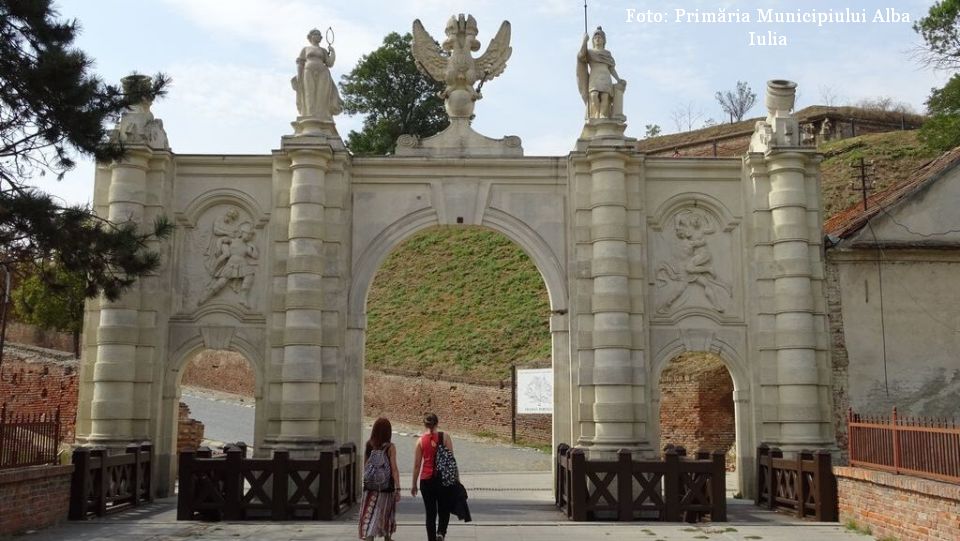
941, 131
737, 102
940, 31
394, 96
54, 302
651, 130
52, 108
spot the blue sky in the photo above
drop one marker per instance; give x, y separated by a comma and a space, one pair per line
231, 61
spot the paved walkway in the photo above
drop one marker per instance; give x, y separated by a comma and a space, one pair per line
518, 506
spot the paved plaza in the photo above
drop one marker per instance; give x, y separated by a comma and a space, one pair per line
505, 507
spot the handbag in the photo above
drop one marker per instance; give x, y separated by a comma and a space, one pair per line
445, 465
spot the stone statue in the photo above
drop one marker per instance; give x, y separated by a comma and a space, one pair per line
596, 71
826, 130
781, 127
317, 95
453, 64
693, 266
234, 259
137, 124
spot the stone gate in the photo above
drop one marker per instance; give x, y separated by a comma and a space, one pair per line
643, 258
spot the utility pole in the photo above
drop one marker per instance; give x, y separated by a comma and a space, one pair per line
864, 180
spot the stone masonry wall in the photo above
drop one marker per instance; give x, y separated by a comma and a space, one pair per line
898, 506
33, 498
696, 404
468, 407
221, 371
839, 361
36, 381
21, 333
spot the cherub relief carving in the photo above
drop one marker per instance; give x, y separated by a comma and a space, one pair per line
692, 266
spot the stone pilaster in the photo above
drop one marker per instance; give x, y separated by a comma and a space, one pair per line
610, 352
301, 374
112, 411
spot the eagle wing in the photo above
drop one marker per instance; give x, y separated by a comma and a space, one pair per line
426, 53
494, 59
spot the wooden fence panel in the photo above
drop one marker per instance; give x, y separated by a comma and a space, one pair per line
804, 485
234, 487
674, 489
104, 483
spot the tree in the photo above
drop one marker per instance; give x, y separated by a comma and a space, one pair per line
58, 307
942, 130
52, 108
737, 102
651, 130
396, 98
940, 31
686, 116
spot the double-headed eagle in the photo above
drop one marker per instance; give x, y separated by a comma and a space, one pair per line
452, 63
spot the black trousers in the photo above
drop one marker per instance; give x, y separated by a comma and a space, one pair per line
435, 502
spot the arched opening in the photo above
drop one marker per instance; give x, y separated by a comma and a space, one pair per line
218, 391
697, 412
448, 313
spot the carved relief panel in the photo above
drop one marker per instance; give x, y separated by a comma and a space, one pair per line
695, 266
220, 260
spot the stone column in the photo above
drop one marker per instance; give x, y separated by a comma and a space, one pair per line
301, 373
114, 372
613, 410
796, 336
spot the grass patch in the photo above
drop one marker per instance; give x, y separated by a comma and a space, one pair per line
851, 525
463, 301
752, 537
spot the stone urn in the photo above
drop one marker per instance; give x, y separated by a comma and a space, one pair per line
781, 96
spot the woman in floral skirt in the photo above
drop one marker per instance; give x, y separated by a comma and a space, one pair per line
378, 511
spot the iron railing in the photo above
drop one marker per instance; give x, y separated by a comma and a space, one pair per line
28, 440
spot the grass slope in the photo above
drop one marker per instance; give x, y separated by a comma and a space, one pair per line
467, 301
464, 301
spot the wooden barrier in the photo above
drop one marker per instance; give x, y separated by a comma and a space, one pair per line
804, 485
104, 483
915, 446
672, 490
234, 487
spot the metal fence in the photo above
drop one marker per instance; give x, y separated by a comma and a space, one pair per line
803, 485
911, 445
233, 487
674, 489
28, 440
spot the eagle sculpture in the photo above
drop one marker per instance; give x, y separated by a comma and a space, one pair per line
452, 63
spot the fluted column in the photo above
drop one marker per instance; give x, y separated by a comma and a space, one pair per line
301, 373
613, 406
795, 324
112, 409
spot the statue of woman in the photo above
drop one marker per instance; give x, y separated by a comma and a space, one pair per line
595, 74
317, 94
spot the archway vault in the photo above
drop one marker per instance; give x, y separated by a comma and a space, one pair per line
642, 257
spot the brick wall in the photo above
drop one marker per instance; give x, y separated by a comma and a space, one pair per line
460, 406
898, 506
33, 498
221, 371
189, 431
696, 404
36, 381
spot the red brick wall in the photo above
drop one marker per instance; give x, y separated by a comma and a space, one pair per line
898, 506
33, 498
189, 431
224, 371
460, 406
36, 381
696, 404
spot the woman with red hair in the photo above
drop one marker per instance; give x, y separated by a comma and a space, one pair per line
381, 484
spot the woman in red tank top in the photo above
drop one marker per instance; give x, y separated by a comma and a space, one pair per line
434, 500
